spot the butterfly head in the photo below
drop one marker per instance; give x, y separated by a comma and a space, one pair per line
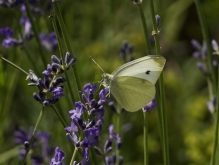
106, 80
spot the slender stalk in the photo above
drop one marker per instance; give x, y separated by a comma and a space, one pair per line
160, 87
73, 156
68, 46
143, 20
213, 77
63, 59
148, 51
33, 135
208, 44
14, 65
29, 14
215, 146
74, 153
118, 128
145, 114
64, 124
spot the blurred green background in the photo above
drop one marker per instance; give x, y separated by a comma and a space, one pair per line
98, 29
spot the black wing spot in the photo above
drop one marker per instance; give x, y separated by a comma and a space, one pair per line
148, 72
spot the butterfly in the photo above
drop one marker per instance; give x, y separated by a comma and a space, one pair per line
133, 84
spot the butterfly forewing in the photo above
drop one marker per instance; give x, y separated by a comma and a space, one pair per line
148, 68
130, 97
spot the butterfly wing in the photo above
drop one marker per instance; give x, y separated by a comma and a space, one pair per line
132, 93
148, 68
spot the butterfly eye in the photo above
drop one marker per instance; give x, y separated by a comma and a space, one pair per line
148, 72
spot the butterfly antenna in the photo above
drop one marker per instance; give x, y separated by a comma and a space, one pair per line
96, 64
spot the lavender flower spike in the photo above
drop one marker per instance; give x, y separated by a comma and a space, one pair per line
78, 111
9, 41
58, 157
150, 106
10, 4
215, 47
49, 41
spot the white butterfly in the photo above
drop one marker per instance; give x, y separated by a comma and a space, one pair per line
132, 84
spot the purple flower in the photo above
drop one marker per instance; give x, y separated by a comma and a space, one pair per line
32, 8
85, 159
157, 17
32, 77
201, 51
126, 50
78, 111
58, 92
112, 106
108, 146
6, 32
57, 65
91, 135
99, 113
50, 84
58, 157
46, 150
37, 160
88, 91
25, 22
215, 47
68, 60
111, 160
150, 106
103, 94
72, 128
10, 3
8, 40
49, 41
114, 136
211, 105
23, 137
202, 67
58, 81
72, 138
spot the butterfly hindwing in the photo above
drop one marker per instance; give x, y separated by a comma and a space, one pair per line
124, 89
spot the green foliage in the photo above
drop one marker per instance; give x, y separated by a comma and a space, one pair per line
98, 29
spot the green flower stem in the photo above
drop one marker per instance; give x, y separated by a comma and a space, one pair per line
14, 65
160, 87
148, 46
212, 78
145, 114
64, 123
214, 152
118, 128
74, 154
34, 134
68, 46
208, 44
63, 58
29, 14
148, 51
